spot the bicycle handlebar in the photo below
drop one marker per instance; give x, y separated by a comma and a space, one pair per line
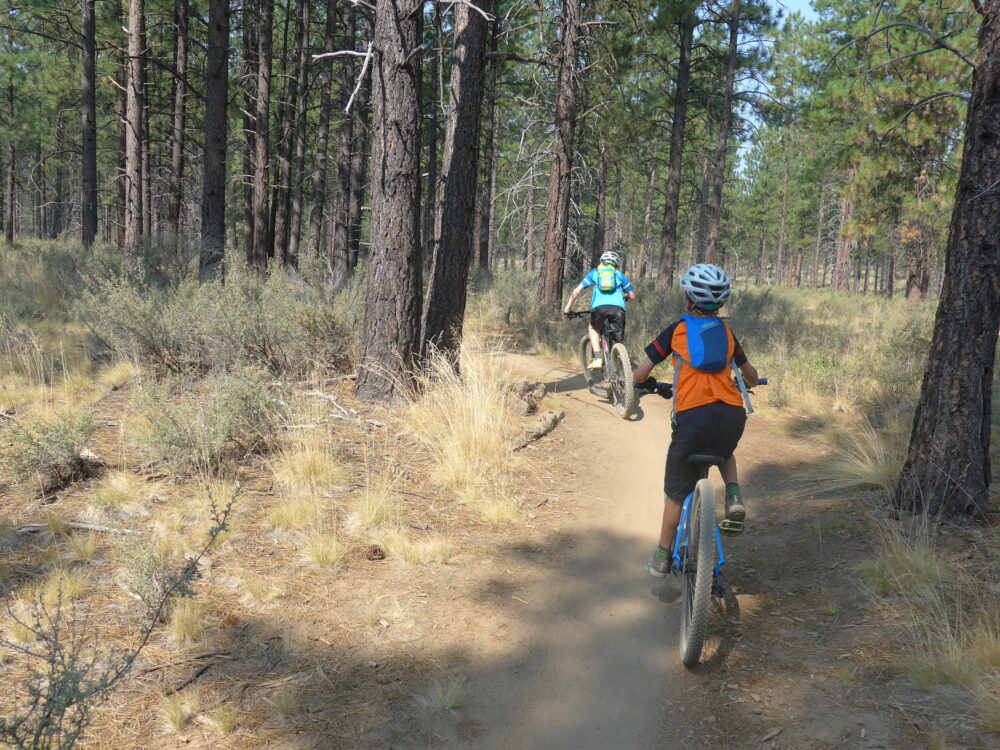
576, 313
666, 390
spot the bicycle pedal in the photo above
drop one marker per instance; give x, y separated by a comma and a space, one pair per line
730, 528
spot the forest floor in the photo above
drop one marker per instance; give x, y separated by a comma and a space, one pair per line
543, 633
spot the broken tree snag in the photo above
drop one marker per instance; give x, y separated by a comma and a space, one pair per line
542, 426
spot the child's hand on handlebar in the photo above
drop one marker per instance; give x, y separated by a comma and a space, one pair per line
647, 386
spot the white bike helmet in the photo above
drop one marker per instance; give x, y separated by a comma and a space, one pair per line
611, 258
706, 285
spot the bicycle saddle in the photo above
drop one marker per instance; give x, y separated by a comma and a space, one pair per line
706, 458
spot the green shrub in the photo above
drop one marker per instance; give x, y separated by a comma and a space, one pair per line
45, 444
276, 321
198, 424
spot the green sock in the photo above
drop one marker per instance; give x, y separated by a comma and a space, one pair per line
732, 489
662, 553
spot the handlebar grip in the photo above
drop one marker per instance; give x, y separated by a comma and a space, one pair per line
761, 381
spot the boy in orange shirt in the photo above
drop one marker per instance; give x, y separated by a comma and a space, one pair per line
709, 415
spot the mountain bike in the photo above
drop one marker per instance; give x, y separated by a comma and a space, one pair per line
698, 556
617, 370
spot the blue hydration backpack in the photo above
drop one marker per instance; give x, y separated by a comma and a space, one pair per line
708, 343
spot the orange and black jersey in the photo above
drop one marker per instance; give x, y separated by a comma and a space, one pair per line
695, 387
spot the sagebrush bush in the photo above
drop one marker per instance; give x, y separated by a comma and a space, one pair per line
47, 443
198, 424
274, 321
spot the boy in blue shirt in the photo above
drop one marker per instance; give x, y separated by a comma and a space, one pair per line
607, 305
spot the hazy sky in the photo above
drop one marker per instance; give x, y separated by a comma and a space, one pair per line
802, 6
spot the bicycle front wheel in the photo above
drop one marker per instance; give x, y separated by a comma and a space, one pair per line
588, 375
697, 570
620, 380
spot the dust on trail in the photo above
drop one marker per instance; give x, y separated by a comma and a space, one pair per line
580, 648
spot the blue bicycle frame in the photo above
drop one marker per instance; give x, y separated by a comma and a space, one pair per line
681, 539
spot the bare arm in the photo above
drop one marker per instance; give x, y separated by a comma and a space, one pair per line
642, 371
572, 298
631, 295
749, 374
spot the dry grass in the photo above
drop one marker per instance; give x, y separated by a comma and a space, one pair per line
863, 459
308, 466
259, 590
187, 620
906, 561
117, 375
226, 718
80, 548
120, 489
60, 587
296, 513
416, 552
323, 550
465, 422
376, 506
178, 711
284, 702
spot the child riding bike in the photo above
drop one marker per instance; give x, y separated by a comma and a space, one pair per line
607, 304
709, 414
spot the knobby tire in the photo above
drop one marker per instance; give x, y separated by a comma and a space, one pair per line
697, 584
620, 377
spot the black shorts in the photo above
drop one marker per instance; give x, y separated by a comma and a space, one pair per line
611, 316
714, 428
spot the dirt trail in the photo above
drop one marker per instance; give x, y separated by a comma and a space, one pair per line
584, 652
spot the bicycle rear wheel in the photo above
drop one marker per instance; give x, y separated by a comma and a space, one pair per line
697, 583
620, 381
588, 375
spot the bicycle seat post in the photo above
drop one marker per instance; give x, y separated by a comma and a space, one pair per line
705, 461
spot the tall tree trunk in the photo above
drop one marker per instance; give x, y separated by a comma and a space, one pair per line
668, 235
134, 106
56, 214
390, 339
213, 202
647, 225
782, 224
262, 236
761, 260
446, 292
360, 152
434, 104
845, 242
250, 66
947, 467
175, 181
819, 236
88, 116
281, 202
319, 180
339, 240
491, 155
529, 227
557, 215
299, 166
721, 151
600, 219
121, 112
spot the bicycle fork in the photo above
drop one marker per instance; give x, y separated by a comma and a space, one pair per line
681, 549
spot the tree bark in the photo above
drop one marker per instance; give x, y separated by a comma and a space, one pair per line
323, 127
783, 226
339, 240
282, 200
600, 218
390, 339
175, 181
719, 174
360, 152
299, 138
88, 116
134, 106
761, 260
668, 235
434, 104
446, 293
947, 467
647, 224
557, 217
845, 242
819, 236
487, 209
213, 202
262, 236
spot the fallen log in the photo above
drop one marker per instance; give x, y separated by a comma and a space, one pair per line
542, 426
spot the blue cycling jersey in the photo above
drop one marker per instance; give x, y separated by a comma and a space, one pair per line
616, 297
